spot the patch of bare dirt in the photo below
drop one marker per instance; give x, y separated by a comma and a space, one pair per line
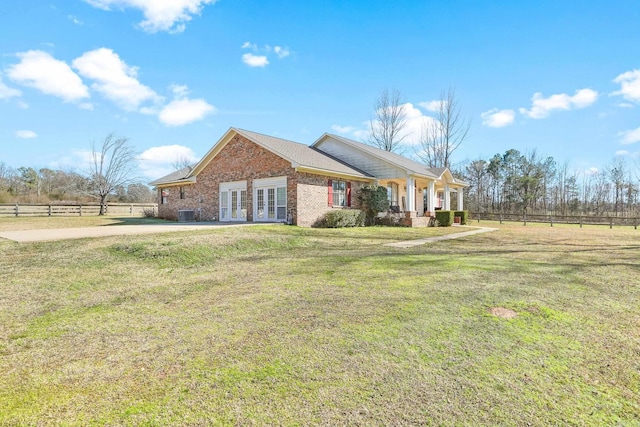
505, 313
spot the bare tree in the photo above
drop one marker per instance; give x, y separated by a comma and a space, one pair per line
181, 162
386, 129
112, 166
441, 137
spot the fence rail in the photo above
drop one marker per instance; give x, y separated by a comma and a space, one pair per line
117, 209
558, 219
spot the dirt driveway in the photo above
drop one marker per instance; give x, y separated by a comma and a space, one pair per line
24, 236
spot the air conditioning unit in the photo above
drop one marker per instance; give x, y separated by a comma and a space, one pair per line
186, 215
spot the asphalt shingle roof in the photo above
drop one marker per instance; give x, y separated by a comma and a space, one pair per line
173, 177
394, 158
301, 154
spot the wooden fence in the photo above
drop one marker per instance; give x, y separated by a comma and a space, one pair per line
557, 219
114, 209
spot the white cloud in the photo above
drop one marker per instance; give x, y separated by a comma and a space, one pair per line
249, 45
158, 161
160, 15
542, 107
629, 85
630, 136
26, 134
343, 129
6, 92
592, 171
432, 106
39, 70
255, 60
622, 153
182, 110
114, 78
261, 59
497, 118
168, 154
282, 52
75, 20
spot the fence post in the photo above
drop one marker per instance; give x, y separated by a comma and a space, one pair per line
80, 210
610, 223
49, 210
525, 219
580, 221
551, 219
17, 209
130, 209
635, 223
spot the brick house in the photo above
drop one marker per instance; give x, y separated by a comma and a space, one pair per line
248, 176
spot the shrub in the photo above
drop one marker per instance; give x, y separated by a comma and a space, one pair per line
464, 216
342, 218
149, 212
373, 199
444, 218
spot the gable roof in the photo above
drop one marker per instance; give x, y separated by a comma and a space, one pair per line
302, 157
180, 176
395, 159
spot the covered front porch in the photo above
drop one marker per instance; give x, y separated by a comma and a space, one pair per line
423, 196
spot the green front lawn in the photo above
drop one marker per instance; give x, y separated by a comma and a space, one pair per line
277, 325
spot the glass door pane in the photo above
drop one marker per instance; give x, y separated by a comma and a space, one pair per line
243, 204
234, 204
260, 204
224, 206
271, 203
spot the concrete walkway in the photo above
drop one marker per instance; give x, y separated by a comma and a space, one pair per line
411, 243
44, 235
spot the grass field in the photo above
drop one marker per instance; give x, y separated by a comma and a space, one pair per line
277, 325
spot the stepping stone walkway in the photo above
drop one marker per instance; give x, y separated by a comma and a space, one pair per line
411, 243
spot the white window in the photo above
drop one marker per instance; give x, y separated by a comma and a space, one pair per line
339, 193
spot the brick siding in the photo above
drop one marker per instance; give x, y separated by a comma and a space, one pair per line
243, 160
313, 200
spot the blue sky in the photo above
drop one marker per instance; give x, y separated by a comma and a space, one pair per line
562, 77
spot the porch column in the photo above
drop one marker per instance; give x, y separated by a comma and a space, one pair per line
431, 197
460, 204
447, 198
411, 194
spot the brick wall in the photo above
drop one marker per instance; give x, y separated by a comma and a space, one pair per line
239, 160
313, 201
170, 209
242, 160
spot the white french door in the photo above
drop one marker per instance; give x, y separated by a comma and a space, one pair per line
270, 200
233, 201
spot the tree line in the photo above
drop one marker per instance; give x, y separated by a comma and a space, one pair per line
512, 182
516, 182
110, 175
